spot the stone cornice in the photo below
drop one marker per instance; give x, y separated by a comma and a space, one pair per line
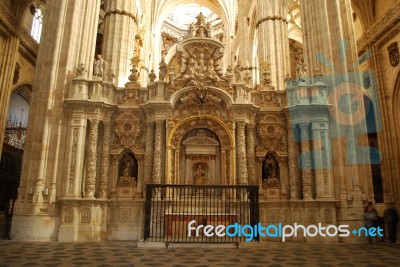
379, 29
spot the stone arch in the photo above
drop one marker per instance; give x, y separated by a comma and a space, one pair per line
223, 131
224, 134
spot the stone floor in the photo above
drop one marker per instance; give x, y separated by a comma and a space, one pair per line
113, 253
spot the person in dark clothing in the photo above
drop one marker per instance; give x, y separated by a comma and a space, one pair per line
370, 220
391, 219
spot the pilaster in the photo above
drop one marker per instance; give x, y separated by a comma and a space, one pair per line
307, 180
242, 177
91, 165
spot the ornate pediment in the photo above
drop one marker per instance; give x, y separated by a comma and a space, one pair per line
200, 139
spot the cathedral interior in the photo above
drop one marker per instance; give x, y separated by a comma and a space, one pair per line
104, 100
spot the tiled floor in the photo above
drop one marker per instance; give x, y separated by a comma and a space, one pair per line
115, 253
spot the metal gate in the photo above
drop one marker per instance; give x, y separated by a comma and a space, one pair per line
191, 213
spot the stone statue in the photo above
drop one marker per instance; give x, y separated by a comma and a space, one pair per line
199, 176
300, 71
237, 70
152, 76
270, 167
126, 178
99, 66
163, 70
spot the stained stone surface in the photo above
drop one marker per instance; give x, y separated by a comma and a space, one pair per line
118, 253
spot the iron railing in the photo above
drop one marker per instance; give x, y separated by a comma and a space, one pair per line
170, 209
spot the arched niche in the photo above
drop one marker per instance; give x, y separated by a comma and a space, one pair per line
200, 156
127, 169
183, 152
270, 170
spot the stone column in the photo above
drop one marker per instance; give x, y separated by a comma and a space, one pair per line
105, 161
243, 33
187, 177
293, 166
157, 152
251, 159
91, 159
9, 48
88, 33
306, 162
273, 45
332, 39
223, 167
149, 151
177, 167
241, 154
119, 37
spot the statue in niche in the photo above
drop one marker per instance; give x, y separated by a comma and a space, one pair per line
128, 169
199, 176
270, 176
99, 66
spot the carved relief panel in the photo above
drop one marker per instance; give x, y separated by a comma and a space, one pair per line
128, 131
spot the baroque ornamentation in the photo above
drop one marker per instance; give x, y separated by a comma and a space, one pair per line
251, 153
242, 156
127, 129
130, 96
157, 152
306, 160
91, 158
393, 51
86, 215
271, 133
124, 214
149, 148
294, 180
201, 123
103, 184
68, 216
73, 159
201, 98
267, 99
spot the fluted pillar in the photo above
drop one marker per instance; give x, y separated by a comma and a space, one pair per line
91, 159
243, 34
119, 37
157, 152
242, 177
329, 46
9, 48
105, 161
273, 44
293, 166
307, 182
89, 26
251, 154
